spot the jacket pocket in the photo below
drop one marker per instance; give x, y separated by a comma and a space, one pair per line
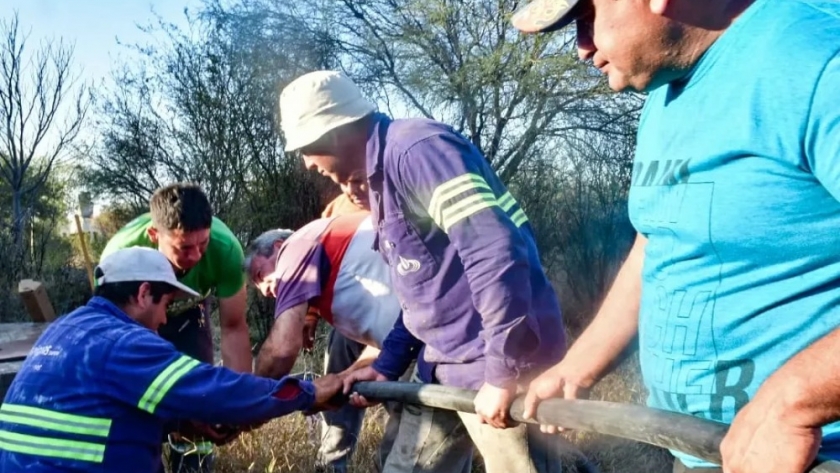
412, 265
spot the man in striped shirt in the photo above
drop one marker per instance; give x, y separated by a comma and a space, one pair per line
329, 268
99, 385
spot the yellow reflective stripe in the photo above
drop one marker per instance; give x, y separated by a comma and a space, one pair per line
465, 208
164, 381
507, 202
58, 421
452, 188
519, 218
51, 447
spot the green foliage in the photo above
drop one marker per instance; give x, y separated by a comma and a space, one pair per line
43, 253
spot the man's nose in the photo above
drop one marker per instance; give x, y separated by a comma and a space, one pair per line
309, 164
263, 288
585, 43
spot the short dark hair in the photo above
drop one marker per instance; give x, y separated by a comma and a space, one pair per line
181, 206
120, 293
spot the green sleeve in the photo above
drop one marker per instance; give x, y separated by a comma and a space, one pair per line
230, 276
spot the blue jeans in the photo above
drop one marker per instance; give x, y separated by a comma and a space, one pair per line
339, 430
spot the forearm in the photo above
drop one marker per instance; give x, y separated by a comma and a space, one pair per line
236, 339
616, 323
398, 350
280, 350
805, 391
236, 348
275, 365
366, 358
498, 268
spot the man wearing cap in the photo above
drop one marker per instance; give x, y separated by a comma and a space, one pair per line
99, 385
207, 257
733, 285
478, 311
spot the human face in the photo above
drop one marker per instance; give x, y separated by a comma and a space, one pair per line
628, 40
338, 155
183, 249
263, 273
356, 189
149, 313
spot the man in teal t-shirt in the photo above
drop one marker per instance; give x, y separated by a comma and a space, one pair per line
207, 257
733, 285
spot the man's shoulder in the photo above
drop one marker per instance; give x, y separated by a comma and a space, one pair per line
222, 237
86, 331
794, 32
314, 229
405, 133
133, 233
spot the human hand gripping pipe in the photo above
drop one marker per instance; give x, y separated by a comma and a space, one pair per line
692, 435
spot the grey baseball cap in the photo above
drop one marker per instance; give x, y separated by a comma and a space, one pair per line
541, 16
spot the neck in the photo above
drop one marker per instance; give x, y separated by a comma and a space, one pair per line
696, 27
131, 311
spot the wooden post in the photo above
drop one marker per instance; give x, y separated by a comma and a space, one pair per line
88, 266
36, 300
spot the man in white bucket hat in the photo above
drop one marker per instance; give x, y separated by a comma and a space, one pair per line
478, 311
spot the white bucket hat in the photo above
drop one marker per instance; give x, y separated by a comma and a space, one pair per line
138, 264
318, 102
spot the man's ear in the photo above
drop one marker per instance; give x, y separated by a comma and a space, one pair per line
153, 234
659, 7
143, 292
278, 243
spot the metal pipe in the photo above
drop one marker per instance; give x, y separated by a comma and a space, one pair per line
692, 435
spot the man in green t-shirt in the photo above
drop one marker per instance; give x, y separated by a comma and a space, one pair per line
207, 257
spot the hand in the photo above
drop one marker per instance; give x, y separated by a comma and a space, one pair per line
492, 404
326, 389
557, 381
760, 440
196, 431
310, 327
364, 374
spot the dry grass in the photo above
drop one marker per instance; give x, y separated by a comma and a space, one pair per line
284, 445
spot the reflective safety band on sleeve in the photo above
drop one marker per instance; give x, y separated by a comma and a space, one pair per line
53, 420
447, 215
164, 382
51, 447
508, 203
447, 210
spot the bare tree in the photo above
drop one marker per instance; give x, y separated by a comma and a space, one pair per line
34, 91
462, 62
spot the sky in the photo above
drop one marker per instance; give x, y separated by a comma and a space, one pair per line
93, 25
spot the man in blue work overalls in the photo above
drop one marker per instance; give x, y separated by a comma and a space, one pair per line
99, 385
